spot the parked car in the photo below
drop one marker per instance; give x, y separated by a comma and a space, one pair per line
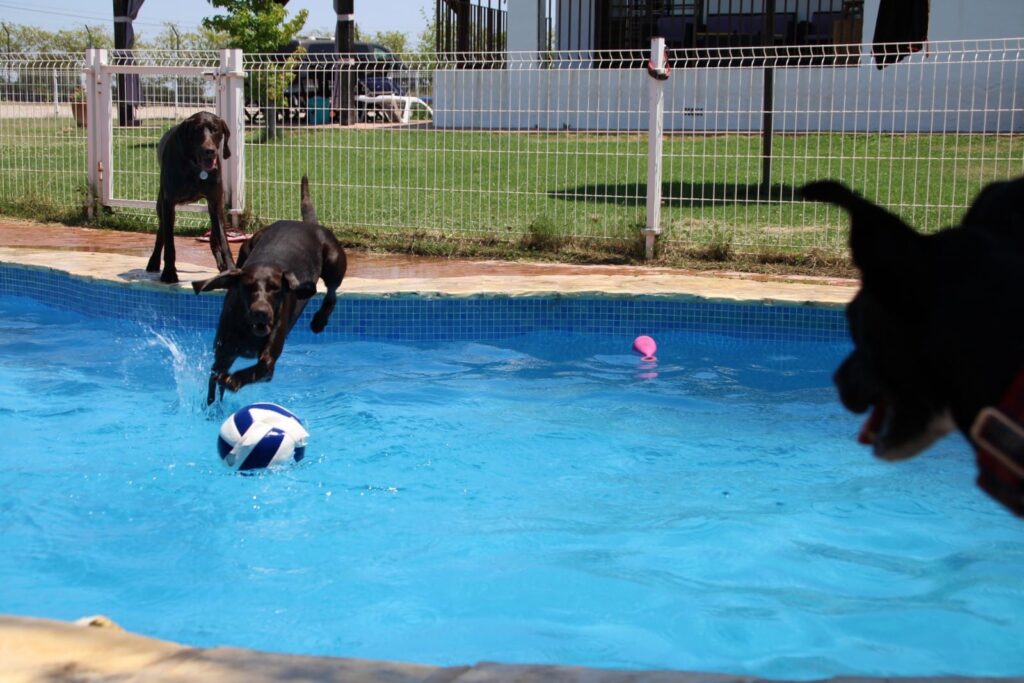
310, 94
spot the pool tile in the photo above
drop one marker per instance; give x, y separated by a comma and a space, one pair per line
410, 317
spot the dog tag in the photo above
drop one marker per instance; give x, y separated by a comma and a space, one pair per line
203, 175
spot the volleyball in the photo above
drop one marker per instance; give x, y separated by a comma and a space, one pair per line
261, 435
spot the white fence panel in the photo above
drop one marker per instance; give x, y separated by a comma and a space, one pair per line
536, 147
42, 148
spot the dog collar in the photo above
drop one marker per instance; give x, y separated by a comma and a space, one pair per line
998, 435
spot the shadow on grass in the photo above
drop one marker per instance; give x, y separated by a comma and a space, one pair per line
679, 194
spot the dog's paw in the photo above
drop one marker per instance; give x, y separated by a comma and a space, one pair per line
169, 278
318, 323
228, 382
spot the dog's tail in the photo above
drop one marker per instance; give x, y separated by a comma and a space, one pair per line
834, 193
308, 211
858, 207
884, 248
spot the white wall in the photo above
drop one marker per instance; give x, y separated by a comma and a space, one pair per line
951, 91
525, 25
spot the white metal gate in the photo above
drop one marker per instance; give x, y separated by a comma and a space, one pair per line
227, 79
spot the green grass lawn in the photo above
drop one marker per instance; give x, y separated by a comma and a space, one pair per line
504, 186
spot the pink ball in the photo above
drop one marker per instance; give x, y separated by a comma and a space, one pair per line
645, 346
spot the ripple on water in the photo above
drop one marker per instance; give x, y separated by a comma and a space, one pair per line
527, 500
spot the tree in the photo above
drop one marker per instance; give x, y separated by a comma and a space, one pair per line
261, 26
36, 52
255, 25
426, 41
30, 39
174, 38
163, 88
396, 41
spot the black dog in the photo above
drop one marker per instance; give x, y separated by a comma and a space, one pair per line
276, 275
189, 169
938, 332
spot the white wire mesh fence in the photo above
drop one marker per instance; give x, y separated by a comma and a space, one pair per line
507, 146
920, 136
42, 150
438, 145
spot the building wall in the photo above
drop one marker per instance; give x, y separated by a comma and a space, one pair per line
950, 20
525, 25
933, 91
960, 93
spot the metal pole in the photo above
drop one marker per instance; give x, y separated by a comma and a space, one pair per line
344, 42
655, 145
177, 81
769, 100
542, 26
231, 108
99, 145
125, 113
93, 64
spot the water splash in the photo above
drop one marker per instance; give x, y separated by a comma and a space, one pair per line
189, 369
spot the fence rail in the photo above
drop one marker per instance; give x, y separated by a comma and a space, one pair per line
507, 145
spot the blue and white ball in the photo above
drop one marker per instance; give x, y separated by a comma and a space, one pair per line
261, 435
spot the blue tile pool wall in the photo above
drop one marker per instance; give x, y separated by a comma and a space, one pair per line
443, 318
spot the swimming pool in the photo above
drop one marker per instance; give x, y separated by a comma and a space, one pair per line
534, 494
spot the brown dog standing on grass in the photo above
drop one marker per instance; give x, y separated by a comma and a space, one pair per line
189, 156
276, 275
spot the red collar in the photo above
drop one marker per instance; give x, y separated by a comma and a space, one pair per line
998, 436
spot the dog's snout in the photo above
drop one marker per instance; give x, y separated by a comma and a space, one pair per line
855, 389
260, 315
261, 320
208, 156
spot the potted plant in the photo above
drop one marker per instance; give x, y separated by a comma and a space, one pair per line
79, 108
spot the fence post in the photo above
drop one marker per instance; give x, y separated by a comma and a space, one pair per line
768, 106
658, 71
99, 129
231, 108
56, 94
92, 177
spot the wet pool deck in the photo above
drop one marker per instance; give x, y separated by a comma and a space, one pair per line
95, 650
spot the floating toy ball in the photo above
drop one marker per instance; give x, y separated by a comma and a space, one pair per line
261, 435
645, 346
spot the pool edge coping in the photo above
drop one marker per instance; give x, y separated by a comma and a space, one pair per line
154, 286
95, 648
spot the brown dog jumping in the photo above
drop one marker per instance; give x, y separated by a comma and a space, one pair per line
189, 156
276, 275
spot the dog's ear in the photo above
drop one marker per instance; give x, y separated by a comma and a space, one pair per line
302, 290
227, 136
892, 257
222, 281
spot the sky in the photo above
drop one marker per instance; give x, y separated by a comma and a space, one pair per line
371, 15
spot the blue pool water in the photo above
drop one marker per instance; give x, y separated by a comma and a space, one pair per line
538, 499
